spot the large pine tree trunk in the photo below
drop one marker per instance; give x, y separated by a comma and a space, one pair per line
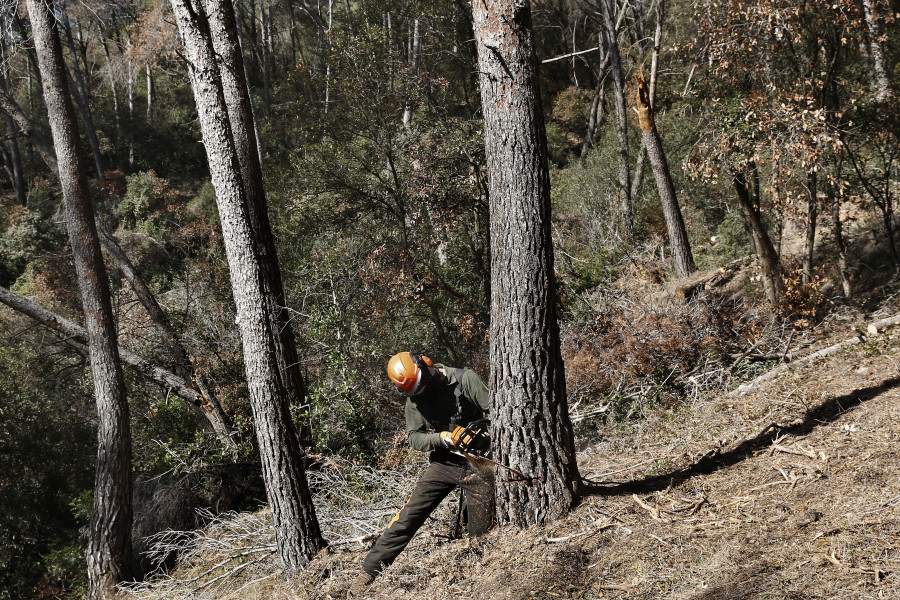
109, 539
678, 238
531, 428
297, 531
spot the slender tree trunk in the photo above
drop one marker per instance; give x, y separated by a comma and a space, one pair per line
109, 539
129, 92
17, 175
15, 159
765, 252
651, 92
615, 62
531, 428
887, 219
678, 238
81, 94
413, 65
297, 532
882, 83
207, 409
812, 213
835, 203
597, 116
15, 163
150, 92
114, 90
8, 105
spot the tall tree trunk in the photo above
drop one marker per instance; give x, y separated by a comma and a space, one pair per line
129, 93
240, 114
15, 163
150, 92
17, 174
297, 532
413, 53
651, 93
109, 539
532, 431
114, 90
615, 61
769, 262
812, 213
678, 238
8, 105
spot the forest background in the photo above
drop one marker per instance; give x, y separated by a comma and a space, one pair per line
778, 121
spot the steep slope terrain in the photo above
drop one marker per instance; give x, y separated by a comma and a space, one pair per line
791, 490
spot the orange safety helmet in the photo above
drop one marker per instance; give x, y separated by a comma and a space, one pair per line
408, 371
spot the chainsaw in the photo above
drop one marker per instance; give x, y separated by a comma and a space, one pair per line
472, 443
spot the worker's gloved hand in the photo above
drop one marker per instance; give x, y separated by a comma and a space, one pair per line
452, 439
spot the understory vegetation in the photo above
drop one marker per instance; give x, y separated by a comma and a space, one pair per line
370, 128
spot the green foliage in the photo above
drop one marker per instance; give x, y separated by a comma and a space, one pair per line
204, 204
47, 444
144, 199
26, 234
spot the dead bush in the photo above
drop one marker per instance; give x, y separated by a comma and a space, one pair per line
632, 355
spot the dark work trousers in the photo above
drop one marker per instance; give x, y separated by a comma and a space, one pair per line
445, 472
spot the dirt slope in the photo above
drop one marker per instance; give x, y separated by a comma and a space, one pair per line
791, 490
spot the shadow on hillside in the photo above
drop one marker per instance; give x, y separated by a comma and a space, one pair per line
714, 460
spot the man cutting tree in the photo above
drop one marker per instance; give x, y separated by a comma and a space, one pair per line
444, 406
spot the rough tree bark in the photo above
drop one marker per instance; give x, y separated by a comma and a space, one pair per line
881, 81
678, 238
223, 24
531, 428
108, 551
297, 532
81, 95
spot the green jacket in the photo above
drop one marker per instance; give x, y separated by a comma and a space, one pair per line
428, 414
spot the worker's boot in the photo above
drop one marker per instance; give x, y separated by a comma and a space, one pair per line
360, 584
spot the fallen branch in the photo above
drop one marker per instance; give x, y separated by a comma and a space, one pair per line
879, 573
165, 378
785, 366
879, 326
654, 512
